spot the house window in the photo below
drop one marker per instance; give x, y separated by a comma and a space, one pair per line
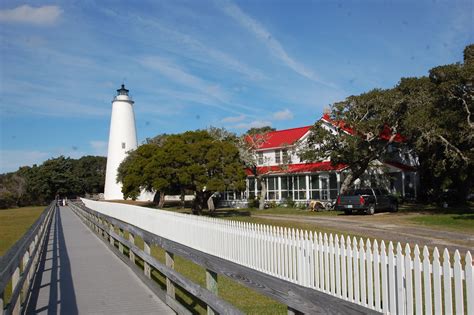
314, 187
260, 158
286, 187
285, 156
272, 188
123, 145
277, 157
300, 187
251, 188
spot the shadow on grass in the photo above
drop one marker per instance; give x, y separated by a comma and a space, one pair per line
464, 217
437, 209
228, 213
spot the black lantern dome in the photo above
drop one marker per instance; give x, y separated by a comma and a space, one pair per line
122, 90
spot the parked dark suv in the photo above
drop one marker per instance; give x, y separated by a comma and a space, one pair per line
368, 200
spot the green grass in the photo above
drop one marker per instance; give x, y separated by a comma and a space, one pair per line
463, 222
245, 299
14, 223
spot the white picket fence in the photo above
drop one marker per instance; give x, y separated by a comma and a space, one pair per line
388, 279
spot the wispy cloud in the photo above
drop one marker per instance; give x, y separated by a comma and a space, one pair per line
233, 119
252, 124
285, 114
193, 48
172, 71
25, 14
209, 93
266, 38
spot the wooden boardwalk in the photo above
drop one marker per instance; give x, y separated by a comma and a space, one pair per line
78, 274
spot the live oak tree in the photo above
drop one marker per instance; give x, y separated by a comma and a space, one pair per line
248, 145
364, 128
193, 161
439, 125
434, 115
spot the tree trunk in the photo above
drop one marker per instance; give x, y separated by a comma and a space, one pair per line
197, 203
350, 177
347, 182
161, 203
263, 194
183, 198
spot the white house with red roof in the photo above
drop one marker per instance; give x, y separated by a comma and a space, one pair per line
287, 176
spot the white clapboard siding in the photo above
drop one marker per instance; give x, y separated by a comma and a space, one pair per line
387, 279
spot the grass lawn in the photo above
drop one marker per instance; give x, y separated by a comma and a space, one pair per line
14, 223
463, 222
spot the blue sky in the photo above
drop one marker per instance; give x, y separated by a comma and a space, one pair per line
194, 64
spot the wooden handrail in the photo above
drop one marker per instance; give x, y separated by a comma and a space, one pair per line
296, 297
25, 251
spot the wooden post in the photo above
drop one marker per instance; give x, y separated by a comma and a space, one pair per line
131, 254
1, 303
111, 229
120, 243
211, 285
15, 279
170, 289
147, 268
24, 290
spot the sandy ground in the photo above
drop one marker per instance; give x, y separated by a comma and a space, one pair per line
388, 227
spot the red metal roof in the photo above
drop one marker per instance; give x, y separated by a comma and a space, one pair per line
386, 133
280, 138
298, 168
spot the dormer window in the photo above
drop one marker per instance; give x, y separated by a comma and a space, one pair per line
277, 157
284, 154
260, 158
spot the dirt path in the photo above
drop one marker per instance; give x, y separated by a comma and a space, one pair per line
381, 227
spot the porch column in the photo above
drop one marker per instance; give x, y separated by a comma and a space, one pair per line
255, 185
415, 186
307, 187
338, 181
247, 190
279, 188
403, 184
293, 187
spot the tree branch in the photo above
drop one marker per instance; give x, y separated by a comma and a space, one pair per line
466, 106
453, 147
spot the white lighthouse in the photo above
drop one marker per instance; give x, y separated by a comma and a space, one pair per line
122, 138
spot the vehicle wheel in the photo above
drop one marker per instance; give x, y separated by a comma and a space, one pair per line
371, 210
394, 207
347, 212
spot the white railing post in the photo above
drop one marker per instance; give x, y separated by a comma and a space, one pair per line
437, 297
458, 292
427, 280
469, 272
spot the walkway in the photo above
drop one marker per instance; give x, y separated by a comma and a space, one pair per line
78, 274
